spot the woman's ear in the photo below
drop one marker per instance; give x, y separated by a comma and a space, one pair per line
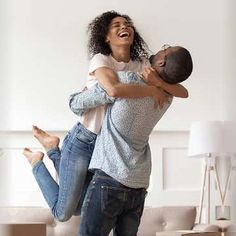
107, 40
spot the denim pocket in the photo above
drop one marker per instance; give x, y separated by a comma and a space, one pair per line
112, 200
140, 203
84, 137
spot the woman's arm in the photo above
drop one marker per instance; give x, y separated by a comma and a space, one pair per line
177, 90
151, 77
109, 80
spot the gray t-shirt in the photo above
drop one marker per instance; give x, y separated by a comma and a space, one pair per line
122, 150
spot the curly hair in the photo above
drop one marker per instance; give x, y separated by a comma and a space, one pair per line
98, 30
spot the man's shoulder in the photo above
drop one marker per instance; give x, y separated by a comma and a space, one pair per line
127, 73
129, 76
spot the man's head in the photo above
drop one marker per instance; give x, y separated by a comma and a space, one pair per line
173, 64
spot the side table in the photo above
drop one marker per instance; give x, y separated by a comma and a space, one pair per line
23, 229
225, 225
188, 233
228, 234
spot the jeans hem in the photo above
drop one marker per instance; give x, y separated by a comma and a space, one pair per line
36, 166
52, 151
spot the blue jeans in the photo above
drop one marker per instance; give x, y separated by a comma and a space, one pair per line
110, 205
71, 164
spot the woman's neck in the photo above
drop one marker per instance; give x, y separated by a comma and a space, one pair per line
121, 54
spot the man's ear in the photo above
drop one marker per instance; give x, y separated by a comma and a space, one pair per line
161, 62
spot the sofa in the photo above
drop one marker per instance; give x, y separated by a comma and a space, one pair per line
159, 219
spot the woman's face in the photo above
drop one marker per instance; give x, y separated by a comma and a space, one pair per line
120, 32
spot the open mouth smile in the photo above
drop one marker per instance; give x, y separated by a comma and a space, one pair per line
124, 34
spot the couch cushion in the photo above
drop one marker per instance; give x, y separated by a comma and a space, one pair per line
25, 214
152, 221
166, 219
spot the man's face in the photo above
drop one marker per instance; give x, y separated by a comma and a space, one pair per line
159, 59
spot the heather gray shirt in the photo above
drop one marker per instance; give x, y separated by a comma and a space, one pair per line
122, 150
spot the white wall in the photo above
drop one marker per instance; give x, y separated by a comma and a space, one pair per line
228, 87
46, 56
44, 59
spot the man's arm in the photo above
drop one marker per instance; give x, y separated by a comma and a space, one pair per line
81, 102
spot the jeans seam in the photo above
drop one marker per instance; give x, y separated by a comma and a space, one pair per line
35, 169
88, 197
62, 199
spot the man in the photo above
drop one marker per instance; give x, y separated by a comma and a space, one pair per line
121, 159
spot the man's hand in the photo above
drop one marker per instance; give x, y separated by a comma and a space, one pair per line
160, 97
151, 77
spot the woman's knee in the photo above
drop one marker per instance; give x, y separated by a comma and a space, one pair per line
62, 216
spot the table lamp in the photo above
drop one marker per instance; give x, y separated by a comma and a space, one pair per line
208, 138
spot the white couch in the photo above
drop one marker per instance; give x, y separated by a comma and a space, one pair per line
154, 220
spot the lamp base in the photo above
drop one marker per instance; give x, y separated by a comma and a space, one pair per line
222, 212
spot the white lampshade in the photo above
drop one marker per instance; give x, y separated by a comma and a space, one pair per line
230, 137
206, 137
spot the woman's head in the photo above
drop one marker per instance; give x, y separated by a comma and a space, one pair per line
110, 28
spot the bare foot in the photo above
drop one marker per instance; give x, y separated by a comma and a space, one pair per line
32, 157
48, 141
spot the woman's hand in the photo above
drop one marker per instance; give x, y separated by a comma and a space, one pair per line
151, 77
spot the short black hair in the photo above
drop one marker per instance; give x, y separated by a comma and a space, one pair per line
178, 66
98, 30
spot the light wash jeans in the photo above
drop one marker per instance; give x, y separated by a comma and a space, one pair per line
110, 205
71, 163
